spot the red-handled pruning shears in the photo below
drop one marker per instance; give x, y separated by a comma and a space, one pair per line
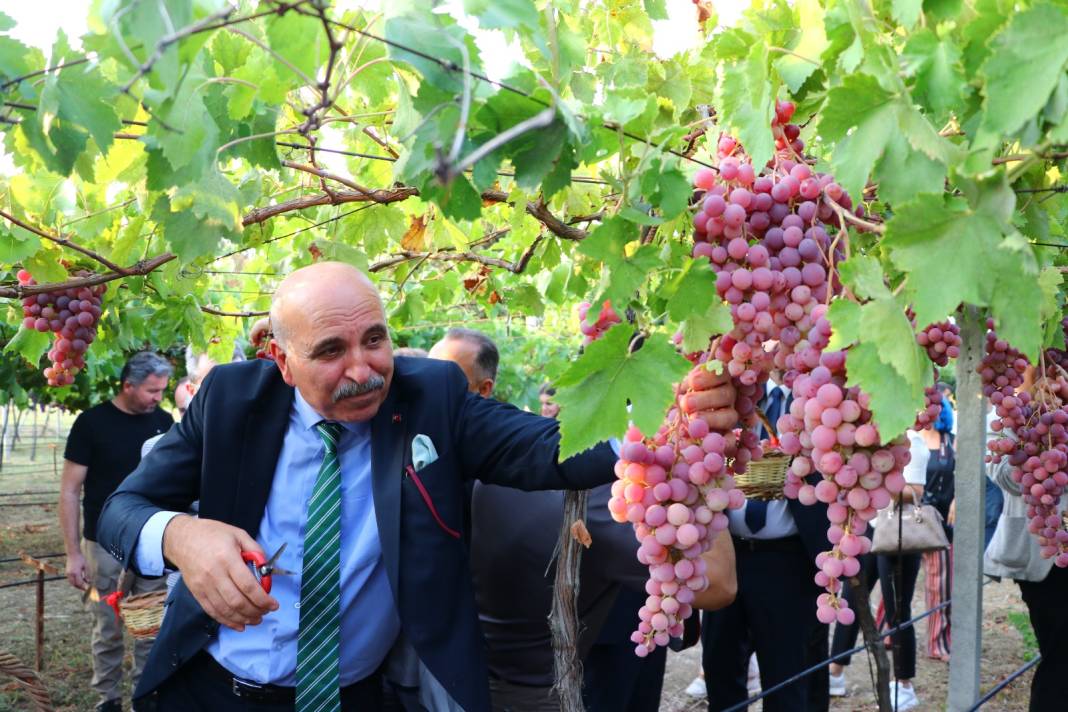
263, 568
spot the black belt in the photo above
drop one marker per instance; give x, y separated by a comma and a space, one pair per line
203, 662
787, 543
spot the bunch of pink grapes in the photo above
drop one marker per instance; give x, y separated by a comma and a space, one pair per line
72, 315
593, 329
675, 489
941, 341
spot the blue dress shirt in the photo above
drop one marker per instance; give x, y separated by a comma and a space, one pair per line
267, 653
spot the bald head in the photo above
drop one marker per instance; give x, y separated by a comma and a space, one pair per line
313, 284
331, 341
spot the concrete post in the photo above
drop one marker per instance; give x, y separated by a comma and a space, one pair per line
968, 543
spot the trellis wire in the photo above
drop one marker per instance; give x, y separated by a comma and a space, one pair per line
835, 658
28, 582
1006, 682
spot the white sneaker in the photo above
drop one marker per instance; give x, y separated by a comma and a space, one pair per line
752, 683
903, 698
697, 688
838, 685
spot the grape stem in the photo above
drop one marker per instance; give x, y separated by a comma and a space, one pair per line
65, 242
847, 216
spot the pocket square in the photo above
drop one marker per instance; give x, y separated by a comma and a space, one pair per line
423, 452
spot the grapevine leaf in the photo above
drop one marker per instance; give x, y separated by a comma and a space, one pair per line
699, 328
690, 291
844, 316
85, 98
884, 325
926, 235
300, 40
624, 273
894, 399
1016, 298
503, 14
936, 65
30, 344
864, 275
16, 244
45, 267
458, 200
859, 103
903, 173
6, 22
189, 236
192, 141
340, 252
594, 391
1027, 58
746, 103
536, 153
797, 67
906, 12
656, 9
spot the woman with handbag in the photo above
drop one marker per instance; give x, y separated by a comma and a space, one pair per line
898, 572
938, 564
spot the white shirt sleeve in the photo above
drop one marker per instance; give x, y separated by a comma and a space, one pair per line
149, 551
916, 471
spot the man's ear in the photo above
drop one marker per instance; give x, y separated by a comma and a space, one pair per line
485, 389
279, 356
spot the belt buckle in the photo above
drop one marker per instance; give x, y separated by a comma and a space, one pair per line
246, 690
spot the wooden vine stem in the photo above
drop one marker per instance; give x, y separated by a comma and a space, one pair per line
563, 618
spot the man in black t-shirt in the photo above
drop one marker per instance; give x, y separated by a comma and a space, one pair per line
103, 447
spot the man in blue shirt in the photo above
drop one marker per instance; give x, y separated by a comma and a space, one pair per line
356, 463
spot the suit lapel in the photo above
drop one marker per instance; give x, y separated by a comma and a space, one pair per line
264, 431
388, 438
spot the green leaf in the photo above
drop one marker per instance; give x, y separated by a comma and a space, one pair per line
903, 173
624, 273
859, 103
906, 12
926, 235
1027, 58
192, 136
409, 31
594, 391
894, 400
692, 290
212, 198
560, 176
458, 200
536, 153
883, 323
86, 99
656, 9
301, 41
746, 103
864, 275
936, 65
30, 344
6, 22
699, 329
341, 252
503, 14
45, 267
525, 299
844, 316
189, 236
16, 244
797, 67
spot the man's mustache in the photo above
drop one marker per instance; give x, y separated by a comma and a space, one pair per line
348, 389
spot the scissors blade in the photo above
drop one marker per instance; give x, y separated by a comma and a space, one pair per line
270, 562
282, 572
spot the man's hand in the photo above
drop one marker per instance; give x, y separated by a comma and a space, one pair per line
77, 573
710, 397
208, 553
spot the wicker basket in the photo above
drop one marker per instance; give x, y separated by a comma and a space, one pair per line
764, 478
143, 613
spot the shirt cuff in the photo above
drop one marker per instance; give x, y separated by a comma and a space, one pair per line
149, 551
614, 443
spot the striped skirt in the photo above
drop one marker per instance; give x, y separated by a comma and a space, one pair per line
938, 567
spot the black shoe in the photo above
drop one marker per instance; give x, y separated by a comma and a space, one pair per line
110, 706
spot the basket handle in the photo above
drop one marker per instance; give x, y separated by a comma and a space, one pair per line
773, 439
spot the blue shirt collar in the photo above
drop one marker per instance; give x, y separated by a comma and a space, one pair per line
309, 417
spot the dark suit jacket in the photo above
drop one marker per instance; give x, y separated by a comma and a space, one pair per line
224, 453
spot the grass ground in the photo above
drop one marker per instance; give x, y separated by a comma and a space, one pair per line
1007, 638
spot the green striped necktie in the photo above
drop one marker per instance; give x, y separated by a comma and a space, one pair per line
318, 688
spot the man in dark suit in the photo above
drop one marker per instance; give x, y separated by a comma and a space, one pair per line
774, 613
354, 462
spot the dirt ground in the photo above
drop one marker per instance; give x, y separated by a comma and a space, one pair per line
67, 670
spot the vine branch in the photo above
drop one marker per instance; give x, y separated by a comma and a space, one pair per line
138, 269
65, 242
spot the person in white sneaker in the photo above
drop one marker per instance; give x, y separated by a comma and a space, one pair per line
697, 688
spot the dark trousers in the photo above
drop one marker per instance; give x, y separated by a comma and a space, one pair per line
1049, 618
900, 588
845, 636
617, 680
773, 615
614, 678
197, 687
994, 503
